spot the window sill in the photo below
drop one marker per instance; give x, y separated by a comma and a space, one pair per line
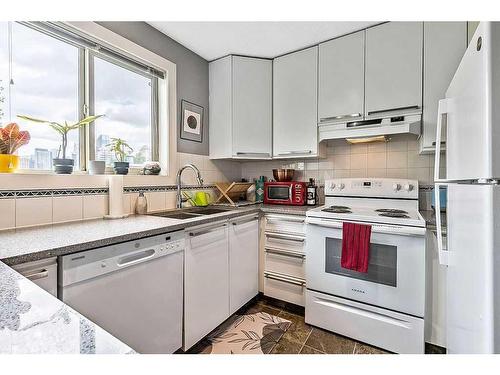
109, 172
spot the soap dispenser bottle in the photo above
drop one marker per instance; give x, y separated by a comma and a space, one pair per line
141, 204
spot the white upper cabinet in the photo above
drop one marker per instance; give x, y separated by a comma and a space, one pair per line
444, 46
342, 79
295, 132
240, 108
393, 69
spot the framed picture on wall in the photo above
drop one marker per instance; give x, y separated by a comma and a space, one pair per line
191, 121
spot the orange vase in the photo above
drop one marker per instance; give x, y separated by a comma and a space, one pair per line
8, 163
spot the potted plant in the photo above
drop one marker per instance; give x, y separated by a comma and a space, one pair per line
121, 149
11, 138
62, 165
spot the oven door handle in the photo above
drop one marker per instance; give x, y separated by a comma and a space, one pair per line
376, 228
362, 312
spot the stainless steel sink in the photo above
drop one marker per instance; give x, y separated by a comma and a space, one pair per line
189, 213
175, 215
207, 210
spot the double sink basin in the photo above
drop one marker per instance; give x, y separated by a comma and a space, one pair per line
189, 213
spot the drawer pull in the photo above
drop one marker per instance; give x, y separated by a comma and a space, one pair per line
284, 278
40, 274
291, 254
285, 237
289, 219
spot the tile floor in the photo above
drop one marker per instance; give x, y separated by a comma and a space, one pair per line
301, 338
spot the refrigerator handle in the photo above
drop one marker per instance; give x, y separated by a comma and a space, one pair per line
442, 250
442, 111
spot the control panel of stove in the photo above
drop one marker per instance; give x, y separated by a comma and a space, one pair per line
373, 187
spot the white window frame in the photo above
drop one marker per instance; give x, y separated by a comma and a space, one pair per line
167, 97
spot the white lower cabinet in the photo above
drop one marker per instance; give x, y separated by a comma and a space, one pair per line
284, 258
206, 283
243, 261
221, 271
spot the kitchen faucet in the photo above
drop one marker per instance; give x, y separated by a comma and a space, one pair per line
179, 173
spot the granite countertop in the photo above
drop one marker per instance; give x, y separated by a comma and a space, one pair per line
33, 321
28, 244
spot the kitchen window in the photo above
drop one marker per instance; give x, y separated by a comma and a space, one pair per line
55, 73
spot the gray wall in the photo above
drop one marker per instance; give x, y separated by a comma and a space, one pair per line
192, 72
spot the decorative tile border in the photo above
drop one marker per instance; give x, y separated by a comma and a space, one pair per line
5, 194
136, 189
51, 192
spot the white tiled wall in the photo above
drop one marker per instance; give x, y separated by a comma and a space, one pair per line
25, 212
398, 158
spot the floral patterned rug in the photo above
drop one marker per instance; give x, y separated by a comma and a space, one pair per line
248, 334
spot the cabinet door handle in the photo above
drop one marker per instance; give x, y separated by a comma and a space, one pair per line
296, 152
286, 253
254, 153
285, 237
393, 109
37, 275
353, 115
284, 278
244, 221
205, 231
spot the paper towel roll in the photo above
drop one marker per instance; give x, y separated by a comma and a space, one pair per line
115, 186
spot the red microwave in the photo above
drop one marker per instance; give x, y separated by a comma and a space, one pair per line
290, 192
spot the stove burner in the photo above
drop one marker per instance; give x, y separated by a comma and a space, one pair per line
401, 215
338, 210
391, 211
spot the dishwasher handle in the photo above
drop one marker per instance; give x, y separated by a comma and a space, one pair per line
135, 258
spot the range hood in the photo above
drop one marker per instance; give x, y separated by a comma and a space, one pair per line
371, 128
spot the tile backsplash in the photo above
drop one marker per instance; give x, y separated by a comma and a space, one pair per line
397, 158
28, 200
46, 199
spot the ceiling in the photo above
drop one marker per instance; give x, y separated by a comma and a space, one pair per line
212, 40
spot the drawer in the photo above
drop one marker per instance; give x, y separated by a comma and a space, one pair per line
293, 224
286, 262
399, 333
291, 242
284, 287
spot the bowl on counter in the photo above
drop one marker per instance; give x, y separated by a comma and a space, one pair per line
282, 175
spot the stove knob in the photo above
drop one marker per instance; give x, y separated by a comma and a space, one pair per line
341, 186
332, 186
396, 187
408, 187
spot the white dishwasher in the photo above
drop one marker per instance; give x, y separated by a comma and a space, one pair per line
134, 290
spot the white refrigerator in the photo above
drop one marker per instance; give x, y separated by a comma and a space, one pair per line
470, 117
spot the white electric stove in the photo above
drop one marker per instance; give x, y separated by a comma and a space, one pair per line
384, 306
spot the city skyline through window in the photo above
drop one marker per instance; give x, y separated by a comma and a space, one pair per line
52, 77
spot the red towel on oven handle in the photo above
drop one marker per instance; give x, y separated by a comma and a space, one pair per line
355, 246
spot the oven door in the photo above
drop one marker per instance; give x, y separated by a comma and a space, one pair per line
396, 272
